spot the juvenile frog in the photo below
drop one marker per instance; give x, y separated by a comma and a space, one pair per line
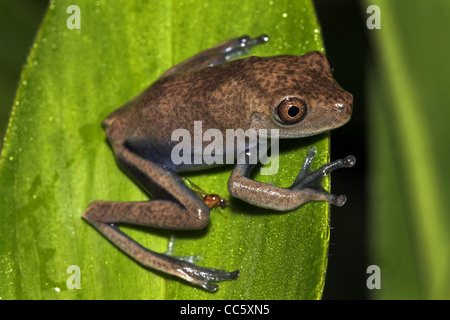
295, 94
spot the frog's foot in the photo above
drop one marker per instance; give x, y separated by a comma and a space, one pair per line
311, 181
240, 46
218, 54
171, 248
196, 274
201, 276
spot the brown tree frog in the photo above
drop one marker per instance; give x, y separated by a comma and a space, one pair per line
296, 95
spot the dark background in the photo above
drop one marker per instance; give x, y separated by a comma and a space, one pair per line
346, 41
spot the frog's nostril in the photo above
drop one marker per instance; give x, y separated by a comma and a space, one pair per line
339, 106
344, 108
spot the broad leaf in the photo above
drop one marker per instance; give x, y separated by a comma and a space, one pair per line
409, 114
55, 159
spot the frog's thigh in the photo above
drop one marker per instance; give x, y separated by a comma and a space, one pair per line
105, 215
179, 209
161, 182
155, 213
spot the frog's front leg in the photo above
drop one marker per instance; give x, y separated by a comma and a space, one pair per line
177, 208
305, 188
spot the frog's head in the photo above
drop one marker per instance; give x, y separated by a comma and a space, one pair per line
303, 98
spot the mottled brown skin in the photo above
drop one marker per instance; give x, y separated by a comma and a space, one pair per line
244, 94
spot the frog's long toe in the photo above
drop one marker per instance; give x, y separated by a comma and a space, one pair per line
334, 199
196, 274
311, 181
246, 41
241, 46
314, 179
201, 276
218, 275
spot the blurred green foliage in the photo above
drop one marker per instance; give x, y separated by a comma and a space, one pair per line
408, 112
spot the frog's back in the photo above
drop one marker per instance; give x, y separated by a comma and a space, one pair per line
205, 80
220, 96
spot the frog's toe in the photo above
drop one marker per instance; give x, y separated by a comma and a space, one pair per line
306, 167
248, 42
331, 198
219, 275
243, 39
241, 46
210, 286
339, 200
216, 275
310, 182
196, 274
313, 179
202, 276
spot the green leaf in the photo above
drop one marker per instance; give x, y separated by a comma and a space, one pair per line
409, 141
56, 160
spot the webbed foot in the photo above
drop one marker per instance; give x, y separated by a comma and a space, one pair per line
312, 180
199, 275
241, 46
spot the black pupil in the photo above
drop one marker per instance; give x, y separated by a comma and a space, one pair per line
293, 111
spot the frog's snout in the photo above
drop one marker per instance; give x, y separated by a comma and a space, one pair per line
345, 107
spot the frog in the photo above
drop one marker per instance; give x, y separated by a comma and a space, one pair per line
296, 95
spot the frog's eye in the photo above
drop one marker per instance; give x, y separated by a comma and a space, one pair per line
291, 110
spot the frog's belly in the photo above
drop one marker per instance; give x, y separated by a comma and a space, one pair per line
182, 156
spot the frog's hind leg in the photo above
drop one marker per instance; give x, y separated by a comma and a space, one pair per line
105, 217
177, 207
218, 54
